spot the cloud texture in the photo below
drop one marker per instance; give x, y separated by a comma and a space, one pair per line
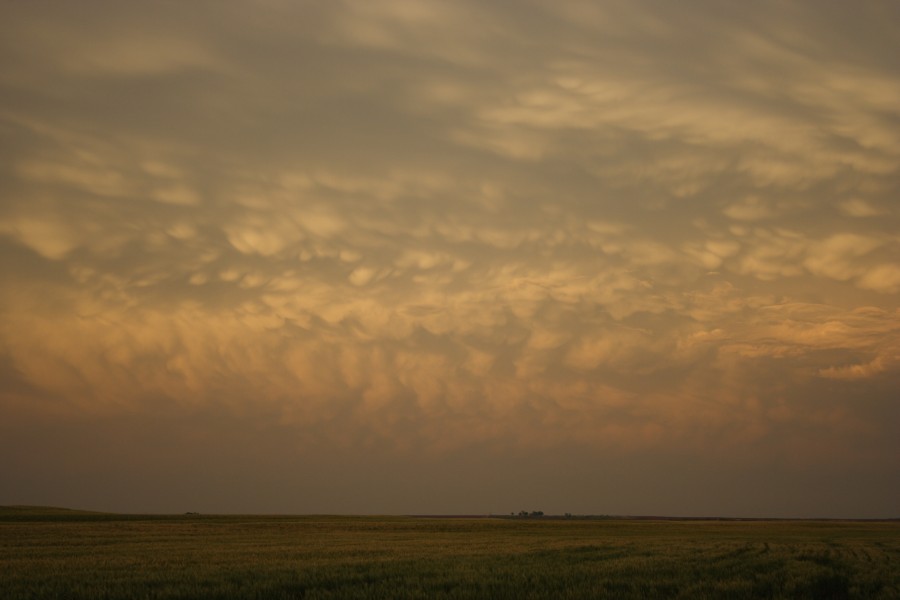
416, 244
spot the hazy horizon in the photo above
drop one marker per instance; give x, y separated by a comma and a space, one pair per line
451, 257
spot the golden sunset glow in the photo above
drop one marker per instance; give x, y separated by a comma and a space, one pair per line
451, 257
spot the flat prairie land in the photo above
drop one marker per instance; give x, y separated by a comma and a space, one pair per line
81, 555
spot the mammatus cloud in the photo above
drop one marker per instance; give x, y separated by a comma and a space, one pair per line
429, 227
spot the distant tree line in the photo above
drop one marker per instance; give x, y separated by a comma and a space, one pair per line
524, 514
537, 514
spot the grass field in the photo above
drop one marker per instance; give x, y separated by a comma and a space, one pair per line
51, 553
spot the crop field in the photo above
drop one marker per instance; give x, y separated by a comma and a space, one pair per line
78, 555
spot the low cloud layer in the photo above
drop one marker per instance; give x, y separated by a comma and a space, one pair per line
417, 233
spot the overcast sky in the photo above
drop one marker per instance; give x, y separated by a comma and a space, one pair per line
408, 256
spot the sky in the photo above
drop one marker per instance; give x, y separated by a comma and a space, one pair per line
469, 257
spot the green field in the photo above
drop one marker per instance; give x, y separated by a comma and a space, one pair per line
70, 554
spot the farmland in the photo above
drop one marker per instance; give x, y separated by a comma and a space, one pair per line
79, 555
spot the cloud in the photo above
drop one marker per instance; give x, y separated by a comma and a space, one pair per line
424, 227
882, 278
49, 238
857, 207
750, 209
834, 256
